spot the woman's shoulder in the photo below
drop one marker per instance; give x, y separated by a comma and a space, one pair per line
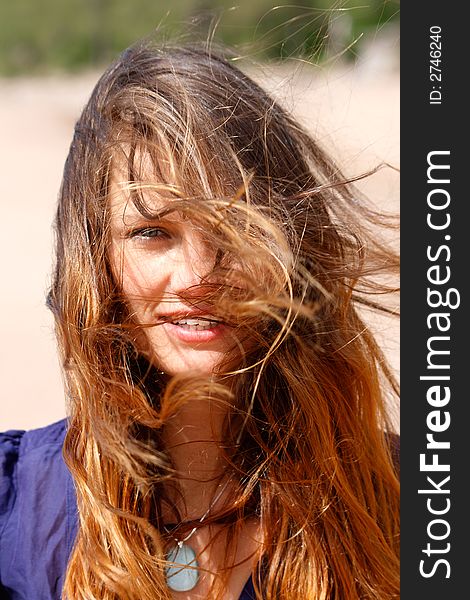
34, 437
31, 465
16, 442
37, 508
22, 452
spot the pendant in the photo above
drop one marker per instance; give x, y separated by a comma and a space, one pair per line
179, 578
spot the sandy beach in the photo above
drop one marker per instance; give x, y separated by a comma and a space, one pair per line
354, 112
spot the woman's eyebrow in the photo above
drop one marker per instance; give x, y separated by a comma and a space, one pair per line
134, 216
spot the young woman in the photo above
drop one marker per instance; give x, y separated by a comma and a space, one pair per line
228, 434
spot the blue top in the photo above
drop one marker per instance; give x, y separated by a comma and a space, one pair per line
38, 515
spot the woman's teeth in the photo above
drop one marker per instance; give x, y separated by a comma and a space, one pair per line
196, 324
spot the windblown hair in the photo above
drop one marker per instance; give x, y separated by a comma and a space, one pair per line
308, 433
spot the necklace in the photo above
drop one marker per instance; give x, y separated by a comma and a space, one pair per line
184, 574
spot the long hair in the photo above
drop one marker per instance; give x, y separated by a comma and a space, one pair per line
307, 429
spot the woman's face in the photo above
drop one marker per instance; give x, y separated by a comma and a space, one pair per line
155, 261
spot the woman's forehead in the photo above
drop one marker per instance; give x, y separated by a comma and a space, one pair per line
145, 190
151, 161
127, 200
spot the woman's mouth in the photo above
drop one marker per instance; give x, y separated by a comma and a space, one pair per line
194, 329
196, 324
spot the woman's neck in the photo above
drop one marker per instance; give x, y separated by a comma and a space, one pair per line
192, 439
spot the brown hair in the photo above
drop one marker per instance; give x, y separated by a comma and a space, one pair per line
309, 429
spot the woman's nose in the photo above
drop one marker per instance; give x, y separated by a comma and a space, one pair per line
193, 264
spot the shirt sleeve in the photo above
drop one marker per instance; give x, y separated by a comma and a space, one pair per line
9, 451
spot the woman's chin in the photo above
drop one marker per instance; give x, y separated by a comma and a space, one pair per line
200, 366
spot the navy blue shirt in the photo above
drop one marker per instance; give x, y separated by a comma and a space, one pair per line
38, 515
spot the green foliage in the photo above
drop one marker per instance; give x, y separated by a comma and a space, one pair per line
44, 35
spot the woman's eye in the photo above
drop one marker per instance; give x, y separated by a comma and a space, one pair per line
148, 233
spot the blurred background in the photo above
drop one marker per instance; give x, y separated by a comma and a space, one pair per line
335, 65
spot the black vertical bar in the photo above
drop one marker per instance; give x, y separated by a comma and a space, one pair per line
435, 423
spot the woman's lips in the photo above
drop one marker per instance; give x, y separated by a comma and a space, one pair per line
195, 330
